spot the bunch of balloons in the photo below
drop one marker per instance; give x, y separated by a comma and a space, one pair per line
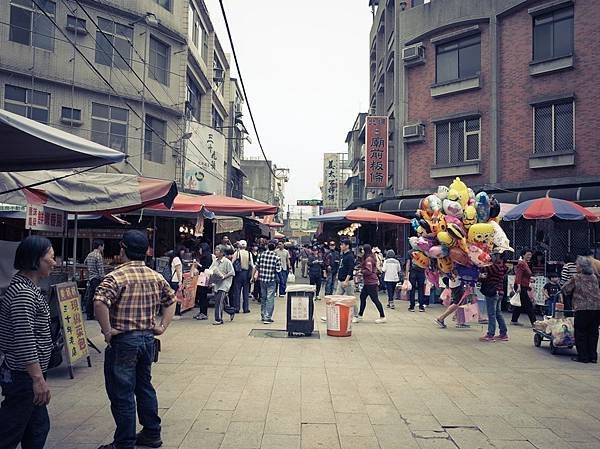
457, 230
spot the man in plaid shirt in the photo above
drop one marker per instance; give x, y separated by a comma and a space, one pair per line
126, 305
267, 267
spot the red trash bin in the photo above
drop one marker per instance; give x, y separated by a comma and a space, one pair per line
339, 315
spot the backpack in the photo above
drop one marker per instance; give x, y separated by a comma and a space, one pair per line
237, 264
167, 273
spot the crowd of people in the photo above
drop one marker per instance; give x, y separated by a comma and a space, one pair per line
134, 303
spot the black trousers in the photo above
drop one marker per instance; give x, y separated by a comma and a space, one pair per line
526, 307
417, 280
586, 334
316, 280
202, 299
20, 420
372, 291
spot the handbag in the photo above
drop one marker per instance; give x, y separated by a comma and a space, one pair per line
291, 278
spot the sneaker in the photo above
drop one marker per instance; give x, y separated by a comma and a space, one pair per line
389, 306
200, 317
421, 309
411, 309
501, 338
440, 324
381, 320
270, 320
357, 319
487, 338
324, 319
515, 323
463, 326
392, 306
266, 321
141, 439
217, 323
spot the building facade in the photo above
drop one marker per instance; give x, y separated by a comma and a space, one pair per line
148, 78
264, 181
498, 92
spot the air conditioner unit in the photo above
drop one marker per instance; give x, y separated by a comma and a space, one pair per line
413, 131
413, 52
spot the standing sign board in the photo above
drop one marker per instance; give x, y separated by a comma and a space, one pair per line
376, 152
69, 303
40, 218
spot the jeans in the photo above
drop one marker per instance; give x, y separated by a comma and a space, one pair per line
417, 279
267, 299
282, 281
586, 334
526, 306
347, 291
316, 280
221, 300
303, 265
330, 283
372, 292
241, 286
390, 286
21, 421
494, 314
127, 375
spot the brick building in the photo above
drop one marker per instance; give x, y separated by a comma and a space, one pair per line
498, 92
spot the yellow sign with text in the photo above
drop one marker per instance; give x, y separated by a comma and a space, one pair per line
71, 317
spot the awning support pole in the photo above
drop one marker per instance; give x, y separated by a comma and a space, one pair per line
154, 243
75, 247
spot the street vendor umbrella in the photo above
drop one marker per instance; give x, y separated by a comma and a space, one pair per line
543, 208
30, 145
225, 205
359, 216
85, 193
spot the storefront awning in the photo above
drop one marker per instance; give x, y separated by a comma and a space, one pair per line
85, 193
30, 145
186, 204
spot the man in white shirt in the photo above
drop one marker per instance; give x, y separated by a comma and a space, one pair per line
286, 265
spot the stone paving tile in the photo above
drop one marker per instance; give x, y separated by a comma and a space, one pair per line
391, 387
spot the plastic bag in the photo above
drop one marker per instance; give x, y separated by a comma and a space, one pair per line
406, 285
342, 300
291, 278
446, 297
515, 300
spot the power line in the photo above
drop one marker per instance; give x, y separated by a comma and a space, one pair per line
237, 65
103, 78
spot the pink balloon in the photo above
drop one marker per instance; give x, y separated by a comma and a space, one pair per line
460, 257
424, 244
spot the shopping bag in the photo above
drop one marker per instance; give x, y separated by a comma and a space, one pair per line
291, 278
446, 297
515, 299
202, 279
406, 285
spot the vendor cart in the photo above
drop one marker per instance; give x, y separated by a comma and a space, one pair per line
539, 336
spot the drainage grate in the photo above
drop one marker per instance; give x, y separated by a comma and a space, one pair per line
279, 333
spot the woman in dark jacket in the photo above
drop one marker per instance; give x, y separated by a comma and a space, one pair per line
316, 270
204, 261
586, 302
522, 286
371, 286
26, 343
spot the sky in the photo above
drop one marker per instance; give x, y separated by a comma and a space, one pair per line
305, 66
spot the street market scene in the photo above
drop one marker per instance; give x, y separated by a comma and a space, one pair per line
352, 224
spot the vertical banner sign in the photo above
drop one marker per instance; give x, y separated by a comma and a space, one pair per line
69, 304
376, 152
330, 181
40, 218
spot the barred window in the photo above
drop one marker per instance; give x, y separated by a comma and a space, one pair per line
457, 141
30, 26
554, 127
70, 114
553, 35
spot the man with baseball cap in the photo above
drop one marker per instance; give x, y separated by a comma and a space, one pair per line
126, 305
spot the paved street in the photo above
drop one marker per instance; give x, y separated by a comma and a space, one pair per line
405, 384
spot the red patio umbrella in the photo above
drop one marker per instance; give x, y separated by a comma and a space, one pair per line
360, 216
218, 204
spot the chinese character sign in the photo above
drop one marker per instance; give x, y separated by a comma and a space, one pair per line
331, 181
40, 218
72, 321
376, 152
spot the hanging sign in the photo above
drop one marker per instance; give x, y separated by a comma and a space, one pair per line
376, 152
40, 218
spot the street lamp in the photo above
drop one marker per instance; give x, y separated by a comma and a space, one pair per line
150, 19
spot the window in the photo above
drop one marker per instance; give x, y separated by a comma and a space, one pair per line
553, 35
31, 104
457, 141
164, 3
70, 114
458, 59
554, 127
75, 23
204, 43
217, 120
154, 137
199, 33
158, 68
193, 96
218, 72
120, 36
109, 126
29, 25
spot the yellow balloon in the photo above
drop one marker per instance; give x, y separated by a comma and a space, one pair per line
482, 233
462, 190
446, 238
470, 216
